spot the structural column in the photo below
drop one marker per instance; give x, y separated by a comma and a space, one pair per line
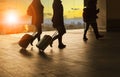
113, 15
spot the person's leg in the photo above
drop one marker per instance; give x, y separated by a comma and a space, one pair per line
39, 30
37, 35
34, 37
54, 38
61, 45
85, 31
59, 37
95, 28
61, 31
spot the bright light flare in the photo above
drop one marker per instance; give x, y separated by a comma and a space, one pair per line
11, 17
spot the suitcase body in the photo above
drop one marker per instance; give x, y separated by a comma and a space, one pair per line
25, 40
44, 42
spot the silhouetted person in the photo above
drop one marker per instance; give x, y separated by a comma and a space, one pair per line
58, 22
89, 16
37, 17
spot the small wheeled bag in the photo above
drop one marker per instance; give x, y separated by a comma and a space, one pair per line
26, 39
45, 41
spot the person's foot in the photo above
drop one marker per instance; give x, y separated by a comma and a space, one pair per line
61, 46
51, 43
31, 43
85, 38
99, 36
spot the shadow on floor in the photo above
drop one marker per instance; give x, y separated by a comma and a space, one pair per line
25, 52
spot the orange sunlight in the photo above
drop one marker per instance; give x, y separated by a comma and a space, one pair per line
11, 17
11, 21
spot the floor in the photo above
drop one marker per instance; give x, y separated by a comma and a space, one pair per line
93, 58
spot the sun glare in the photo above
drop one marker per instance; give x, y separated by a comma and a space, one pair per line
11, 17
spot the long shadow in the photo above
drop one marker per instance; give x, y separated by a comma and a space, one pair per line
25, 52
43, 55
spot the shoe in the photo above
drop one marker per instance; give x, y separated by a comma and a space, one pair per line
61, 46
85, 38
99, 36
51, 43
31, 43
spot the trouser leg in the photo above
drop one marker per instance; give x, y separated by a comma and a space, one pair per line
86, 29
95, 28
60, 39
39, 31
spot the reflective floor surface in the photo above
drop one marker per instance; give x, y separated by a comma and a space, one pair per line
93, 58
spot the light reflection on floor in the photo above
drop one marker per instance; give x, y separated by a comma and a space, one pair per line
94, 58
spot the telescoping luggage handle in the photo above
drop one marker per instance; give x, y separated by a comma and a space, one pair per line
45, 41
55, 33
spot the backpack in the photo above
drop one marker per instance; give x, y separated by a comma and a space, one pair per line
89, 14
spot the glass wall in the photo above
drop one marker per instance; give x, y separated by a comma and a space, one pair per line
15, 10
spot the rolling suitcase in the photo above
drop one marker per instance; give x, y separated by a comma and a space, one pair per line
25, 40
45, 41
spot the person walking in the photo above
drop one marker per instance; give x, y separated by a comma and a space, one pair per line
58, 22
89, 16
36, 10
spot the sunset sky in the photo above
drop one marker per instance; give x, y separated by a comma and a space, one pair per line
72, 9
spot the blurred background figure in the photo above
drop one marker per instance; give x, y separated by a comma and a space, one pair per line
58, 22
89, 16
36, 10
